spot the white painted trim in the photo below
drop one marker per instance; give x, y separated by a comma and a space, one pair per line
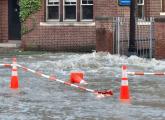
67, 24
143, 23
162, 13
141, 3
87, 20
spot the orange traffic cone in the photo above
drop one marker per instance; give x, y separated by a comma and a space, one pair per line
77, 77
124, 89
14, 83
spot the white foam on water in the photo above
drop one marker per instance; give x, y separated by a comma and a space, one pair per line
42, 98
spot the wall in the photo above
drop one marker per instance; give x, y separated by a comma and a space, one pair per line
70, 38
160, 38
3, 21
110, 8
104, 35
54, 37
152, 8
105, 10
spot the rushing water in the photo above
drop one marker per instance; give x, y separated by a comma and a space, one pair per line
42, 99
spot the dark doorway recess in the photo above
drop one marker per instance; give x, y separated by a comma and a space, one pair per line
14, 20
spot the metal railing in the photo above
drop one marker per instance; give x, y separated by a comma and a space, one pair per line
145, 40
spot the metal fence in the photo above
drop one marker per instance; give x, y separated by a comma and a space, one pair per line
144, 41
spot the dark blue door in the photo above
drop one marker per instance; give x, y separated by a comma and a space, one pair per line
13, 20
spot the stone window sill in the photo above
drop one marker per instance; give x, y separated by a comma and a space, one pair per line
143, 23
52, 23
162, 13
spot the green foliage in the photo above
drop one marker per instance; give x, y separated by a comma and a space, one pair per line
25, 29
28, 7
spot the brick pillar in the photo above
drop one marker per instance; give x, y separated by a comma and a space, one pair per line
160, 38
3, 21
104, 34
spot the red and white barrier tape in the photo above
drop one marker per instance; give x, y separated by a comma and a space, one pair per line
63, 82
6, 65
145, 73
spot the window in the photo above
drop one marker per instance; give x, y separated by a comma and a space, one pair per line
163, 5
86, 9
52, 10
70, 9
140, 9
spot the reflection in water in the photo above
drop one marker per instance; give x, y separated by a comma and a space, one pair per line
39, 98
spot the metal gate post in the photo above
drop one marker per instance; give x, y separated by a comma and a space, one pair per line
118, 35
151, 37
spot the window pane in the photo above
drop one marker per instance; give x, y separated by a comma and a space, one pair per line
84, 2
53, 12
70, 12
87, 1
87, 12
90, 1
140, 12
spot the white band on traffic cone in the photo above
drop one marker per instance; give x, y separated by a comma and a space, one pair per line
124, 83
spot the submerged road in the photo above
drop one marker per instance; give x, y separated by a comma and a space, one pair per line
42, 99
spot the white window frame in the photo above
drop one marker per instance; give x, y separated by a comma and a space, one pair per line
81, 14
141, 4
162, 12
47, 5
69, 20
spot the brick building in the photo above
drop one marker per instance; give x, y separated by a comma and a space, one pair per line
70, 25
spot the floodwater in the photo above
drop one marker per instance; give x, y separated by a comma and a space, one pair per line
42, 99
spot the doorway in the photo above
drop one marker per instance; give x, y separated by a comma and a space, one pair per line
14, 31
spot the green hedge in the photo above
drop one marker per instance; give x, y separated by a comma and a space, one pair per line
28, 7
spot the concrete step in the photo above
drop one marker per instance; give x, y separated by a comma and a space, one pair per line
10, 47
11, 44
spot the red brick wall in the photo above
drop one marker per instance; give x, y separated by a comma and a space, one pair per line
152, 8
105, 7
105, 10
3, 21
58, 38
160, 39
109, 8
104, 35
